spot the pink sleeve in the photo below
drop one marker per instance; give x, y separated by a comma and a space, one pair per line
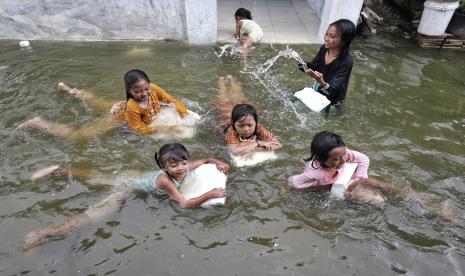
308, 178
363, 163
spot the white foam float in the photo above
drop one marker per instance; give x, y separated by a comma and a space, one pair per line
250, 160
169, 117
201, 180
340, 186
312, 99
24, 43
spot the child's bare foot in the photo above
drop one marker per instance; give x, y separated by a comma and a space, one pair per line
63, 87
35, 238
72, 91
44, 172
35, 122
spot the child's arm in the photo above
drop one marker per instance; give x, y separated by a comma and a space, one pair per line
274, 144
267, 140
222, 166
363, 163
308, 178
243, 148
237, 35
163, 182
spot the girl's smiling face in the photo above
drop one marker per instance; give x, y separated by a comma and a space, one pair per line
140, 90
332, 38
245, 126
177, 169
336, 158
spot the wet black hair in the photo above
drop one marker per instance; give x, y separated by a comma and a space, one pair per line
322, 143
243, 13
346, 29
132, 77
171, 152
242, 110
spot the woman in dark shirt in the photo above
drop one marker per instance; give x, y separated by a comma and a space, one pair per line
332, 65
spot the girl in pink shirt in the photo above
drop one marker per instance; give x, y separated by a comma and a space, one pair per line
326, 164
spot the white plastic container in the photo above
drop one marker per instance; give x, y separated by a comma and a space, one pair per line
340, 186
436, 16
312, 99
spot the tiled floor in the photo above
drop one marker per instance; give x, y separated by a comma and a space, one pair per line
282, 21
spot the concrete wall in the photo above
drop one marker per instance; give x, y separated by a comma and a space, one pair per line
317, 6
201, 21
104, 19
339, 9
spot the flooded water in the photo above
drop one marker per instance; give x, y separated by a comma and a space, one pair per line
405, 109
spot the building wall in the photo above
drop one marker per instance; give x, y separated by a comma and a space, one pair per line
93, 19
317, 6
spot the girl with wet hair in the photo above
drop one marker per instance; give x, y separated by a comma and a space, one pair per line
243, 133
175, 164
327, 163
332, 65
144, 101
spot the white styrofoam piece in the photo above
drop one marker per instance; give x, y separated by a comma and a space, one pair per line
253, 159
312, 99
201, 180
169, 116
340, 186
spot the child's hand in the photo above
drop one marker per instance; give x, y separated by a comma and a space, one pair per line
315, 74
267, 145
237, 36
217, 193
222, 167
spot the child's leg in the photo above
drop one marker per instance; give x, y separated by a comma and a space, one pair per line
94, 213
57, 170
229, 94
60, 130
383, 186
54, 129
364, 193
86, 96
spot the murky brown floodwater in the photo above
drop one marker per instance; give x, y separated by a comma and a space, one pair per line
405, 109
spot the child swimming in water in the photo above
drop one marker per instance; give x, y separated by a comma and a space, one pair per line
326, 165
243, 134
144, 101
248, 32
175, 164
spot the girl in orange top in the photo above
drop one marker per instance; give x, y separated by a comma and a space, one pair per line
144, 100
243, 134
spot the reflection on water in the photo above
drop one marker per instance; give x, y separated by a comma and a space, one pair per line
405, 109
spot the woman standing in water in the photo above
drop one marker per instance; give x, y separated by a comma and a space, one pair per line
331, 67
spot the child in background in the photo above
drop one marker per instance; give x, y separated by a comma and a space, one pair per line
326, 165
243, 134
174, 162
248, 32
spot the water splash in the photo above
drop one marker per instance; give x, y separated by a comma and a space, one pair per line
270, 84
233, 48
287, 53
